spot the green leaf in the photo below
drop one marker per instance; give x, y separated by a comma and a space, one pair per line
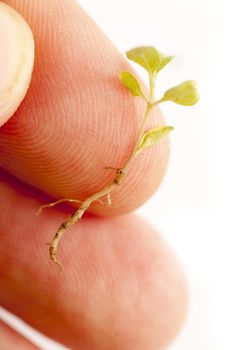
185, 94
131, 83
164, 61
152, 136
149, 58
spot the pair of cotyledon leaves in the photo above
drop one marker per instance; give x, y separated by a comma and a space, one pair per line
153, 61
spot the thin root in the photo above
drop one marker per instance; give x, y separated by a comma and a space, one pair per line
53, 250
53, 257
53, 246
109, 199
58, 266
49, 205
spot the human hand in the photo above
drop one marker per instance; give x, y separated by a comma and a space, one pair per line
121, 285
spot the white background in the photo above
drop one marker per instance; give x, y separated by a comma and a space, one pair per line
193, 206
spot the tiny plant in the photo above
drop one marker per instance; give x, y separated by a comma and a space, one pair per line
184, 94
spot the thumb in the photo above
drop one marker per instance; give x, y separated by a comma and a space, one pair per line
16, 60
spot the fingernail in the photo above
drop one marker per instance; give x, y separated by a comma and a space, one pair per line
16, 60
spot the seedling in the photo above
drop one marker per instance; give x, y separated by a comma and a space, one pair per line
184, 94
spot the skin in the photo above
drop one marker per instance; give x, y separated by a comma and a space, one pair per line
16, 60
9, 338
122, 286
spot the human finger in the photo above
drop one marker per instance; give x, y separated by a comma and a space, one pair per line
16, 60
11, 340
121, 286
77, 118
